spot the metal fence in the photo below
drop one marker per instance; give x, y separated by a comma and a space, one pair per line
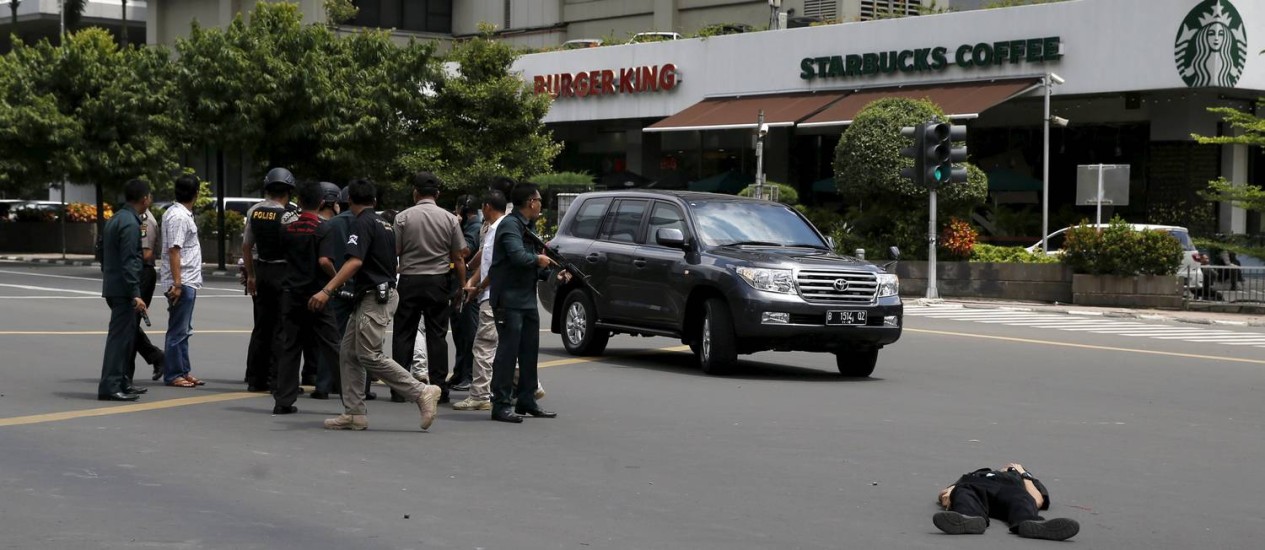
1228, 284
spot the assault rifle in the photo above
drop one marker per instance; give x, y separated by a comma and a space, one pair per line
560, 261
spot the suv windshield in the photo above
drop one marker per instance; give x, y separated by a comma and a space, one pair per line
724, 223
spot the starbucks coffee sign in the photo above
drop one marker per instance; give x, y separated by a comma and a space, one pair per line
1211, 45
934, 59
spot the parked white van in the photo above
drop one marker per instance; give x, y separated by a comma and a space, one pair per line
1189, 272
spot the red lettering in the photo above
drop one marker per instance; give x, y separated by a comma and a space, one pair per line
582, 84
651, 77
608, 81
627, 79
564, 87
667, 77
595, 82
540, 85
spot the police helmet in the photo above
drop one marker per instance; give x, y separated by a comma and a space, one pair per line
344, 196
279, 177
329, 192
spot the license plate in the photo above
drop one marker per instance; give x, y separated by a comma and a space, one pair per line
850, 317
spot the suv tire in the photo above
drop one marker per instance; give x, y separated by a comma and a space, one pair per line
716, 342
580, 335
858, 364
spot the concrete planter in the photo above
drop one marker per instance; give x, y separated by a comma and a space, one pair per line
1153, 291
46, 237
1005, 281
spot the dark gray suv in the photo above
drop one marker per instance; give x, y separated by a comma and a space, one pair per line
726, 275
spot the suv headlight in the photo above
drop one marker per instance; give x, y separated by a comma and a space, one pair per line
888, 285
769, 280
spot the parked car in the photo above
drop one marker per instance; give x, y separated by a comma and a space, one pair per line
30, 210
657, 36
581, 43
726, 275
1189, 271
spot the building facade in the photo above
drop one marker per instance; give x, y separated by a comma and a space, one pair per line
1138, 78
34, 20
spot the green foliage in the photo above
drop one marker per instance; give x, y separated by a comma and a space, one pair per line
785, 193
1242, 245
1009, 255
1119, 250
87, 110
340, 11
563, 179
825, 220
208, 223
1249, 197
1014, 3
486, 121
892, 210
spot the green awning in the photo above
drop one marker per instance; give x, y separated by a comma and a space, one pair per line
1009, 180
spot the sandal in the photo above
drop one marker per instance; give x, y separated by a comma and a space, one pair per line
182, 382
195, 381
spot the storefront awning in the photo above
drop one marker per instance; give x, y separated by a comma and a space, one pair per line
734, 113
959, 100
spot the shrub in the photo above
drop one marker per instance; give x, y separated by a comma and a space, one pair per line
958, 239
1010, 255
208, 223
825, 220
1119, 250
563, 179
82, 212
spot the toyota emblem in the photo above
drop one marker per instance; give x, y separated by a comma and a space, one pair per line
841, 285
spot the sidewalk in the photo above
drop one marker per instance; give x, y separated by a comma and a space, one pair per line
1255, 317
82, 260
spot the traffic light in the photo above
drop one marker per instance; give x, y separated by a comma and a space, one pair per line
918, 134
939, 154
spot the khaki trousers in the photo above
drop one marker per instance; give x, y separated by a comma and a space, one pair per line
484, 352
360, 354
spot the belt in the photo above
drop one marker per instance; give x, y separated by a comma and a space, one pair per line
272, 262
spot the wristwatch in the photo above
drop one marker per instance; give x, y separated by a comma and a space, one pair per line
1025, 475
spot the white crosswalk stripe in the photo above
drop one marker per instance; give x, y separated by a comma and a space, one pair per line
1096, 324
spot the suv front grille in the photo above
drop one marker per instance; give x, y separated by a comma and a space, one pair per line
837, 287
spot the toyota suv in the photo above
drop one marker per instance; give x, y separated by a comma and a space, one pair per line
726, 275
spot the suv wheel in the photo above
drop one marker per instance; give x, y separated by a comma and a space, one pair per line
858, 364
580, 334
715, 344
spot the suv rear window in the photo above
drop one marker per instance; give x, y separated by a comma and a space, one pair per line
589, 218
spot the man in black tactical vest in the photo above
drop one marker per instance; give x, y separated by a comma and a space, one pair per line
265, 272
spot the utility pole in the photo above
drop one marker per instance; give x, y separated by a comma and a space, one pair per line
761, 131
13, 9
61, 10
123, 34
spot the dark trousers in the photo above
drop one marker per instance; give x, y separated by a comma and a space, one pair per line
465, 325
518, 341
144, 347
261, 355
1000, 496
120, 349
301, 329
429, 296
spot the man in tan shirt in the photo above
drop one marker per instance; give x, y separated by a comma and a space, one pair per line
431, 248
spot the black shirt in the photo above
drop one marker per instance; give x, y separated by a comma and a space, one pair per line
372, 240
299, 238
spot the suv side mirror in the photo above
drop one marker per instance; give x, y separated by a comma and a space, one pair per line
894, 253
670, 237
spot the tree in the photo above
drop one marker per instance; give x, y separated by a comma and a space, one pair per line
1252, 128
486, 121
86, 110
888, 208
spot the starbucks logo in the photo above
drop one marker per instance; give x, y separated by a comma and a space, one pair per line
1211, 46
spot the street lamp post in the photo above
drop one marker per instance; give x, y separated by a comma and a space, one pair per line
1049, 80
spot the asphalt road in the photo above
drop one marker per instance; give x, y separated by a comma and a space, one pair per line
1148, 442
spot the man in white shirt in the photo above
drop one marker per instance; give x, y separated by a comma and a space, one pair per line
484, 349
181, 277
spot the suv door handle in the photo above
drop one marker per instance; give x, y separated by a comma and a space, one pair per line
593, 258
639, 262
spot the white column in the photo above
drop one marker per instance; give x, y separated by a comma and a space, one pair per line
1234, 165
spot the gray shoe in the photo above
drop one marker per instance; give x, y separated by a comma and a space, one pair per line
954, 523
1051, 529
347, 422
472, 404
428, 403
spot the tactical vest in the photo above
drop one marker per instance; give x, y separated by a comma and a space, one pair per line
266, 227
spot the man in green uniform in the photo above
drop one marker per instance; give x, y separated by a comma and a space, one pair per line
121, 287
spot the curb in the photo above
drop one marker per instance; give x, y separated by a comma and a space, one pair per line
1142, 314
206, 271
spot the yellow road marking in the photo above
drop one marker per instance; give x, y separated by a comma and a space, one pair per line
135, 407
1088, 346
199, 400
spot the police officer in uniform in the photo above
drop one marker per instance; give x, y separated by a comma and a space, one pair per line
334, 237
121, 287
149, 279
264, 275
303, 329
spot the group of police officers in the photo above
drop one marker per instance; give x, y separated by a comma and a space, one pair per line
330, 276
